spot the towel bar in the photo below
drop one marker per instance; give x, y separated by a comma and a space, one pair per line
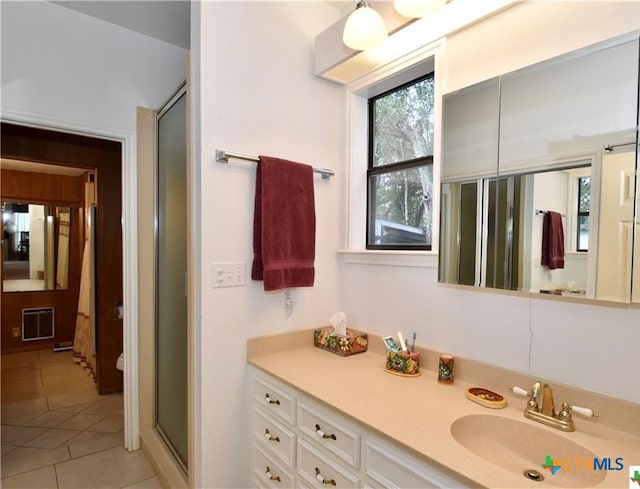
540, 211
223, 157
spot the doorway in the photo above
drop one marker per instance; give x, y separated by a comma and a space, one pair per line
104, 157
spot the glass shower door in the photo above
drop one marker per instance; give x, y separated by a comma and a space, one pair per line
171, 276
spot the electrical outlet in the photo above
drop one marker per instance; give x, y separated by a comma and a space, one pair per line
15, 332
228, 274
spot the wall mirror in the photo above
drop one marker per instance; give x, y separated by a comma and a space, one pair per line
544, 154
35, 247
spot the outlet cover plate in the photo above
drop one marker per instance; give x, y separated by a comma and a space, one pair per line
228, 274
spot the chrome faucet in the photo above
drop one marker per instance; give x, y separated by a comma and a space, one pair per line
545, 413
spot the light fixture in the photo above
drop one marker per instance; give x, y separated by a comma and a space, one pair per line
364, 28
414, 9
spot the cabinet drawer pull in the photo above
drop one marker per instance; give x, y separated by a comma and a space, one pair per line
270, 437
270, 476
321, 478
322, 434
267, 398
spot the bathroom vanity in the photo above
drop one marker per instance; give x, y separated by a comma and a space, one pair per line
299, 442
321, 420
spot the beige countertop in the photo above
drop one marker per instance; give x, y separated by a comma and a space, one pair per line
418, 412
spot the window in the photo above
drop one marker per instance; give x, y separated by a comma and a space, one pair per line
400, 167
584, 204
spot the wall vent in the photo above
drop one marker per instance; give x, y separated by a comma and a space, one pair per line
37, 323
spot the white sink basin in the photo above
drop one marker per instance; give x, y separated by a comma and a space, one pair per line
520, 446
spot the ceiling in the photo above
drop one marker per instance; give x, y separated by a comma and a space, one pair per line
166, 20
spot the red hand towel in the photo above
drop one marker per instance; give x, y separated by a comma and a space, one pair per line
284, 225
552, 241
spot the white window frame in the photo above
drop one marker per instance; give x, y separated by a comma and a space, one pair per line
358, 93
572, 207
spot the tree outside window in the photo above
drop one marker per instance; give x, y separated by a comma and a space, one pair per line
584, 205
400, 173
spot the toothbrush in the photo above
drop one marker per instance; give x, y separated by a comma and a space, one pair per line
403, 342
413, 343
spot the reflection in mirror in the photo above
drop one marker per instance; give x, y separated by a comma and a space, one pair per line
615, 234
493, 227
564, 165
635, 279
459, 233
470, 159
36, 251
547, 269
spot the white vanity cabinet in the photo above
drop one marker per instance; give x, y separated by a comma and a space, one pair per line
299, 442
387, 466
273, 451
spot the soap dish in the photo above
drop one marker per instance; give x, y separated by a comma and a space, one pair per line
486, 398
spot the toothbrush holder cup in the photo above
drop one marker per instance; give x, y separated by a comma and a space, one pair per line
403, 363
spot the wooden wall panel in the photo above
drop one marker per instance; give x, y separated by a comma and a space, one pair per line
65, 301
42, 188
105, 156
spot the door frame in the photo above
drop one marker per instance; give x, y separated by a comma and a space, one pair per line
129, 250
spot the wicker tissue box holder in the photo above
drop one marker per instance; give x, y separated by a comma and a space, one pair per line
327, 339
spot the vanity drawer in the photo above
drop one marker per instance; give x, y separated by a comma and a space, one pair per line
318, 470
388, 467
277, 438
330, 433
268, 471
276, 400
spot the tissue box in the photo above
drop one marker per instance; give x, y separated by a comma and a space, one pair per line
327, 339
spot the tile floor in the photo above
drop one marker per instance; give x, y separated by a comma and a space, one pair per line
58, 433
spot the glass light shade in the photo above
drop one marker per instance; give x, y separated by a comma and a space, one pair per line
414, 9
364, 29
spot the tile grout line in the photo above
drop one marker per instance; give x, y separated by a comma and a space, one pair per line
107, 408
55, 469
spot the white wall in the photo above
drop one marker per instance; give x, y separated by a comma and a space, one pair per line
62, 66
69, 71
587, 346
258, 96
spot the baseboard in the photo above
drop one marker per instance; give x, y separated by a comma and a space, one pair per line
167, 470
63, 346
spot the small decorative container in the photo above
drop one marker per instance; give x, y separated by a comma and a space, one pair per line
486, 398
403, 363
353, 342
445, 369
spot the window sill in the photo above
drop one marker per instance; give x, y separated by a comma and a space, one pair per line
576, 255
419, 259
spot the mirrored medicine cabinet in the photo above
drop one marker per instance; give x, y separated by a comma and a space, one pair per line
556, 137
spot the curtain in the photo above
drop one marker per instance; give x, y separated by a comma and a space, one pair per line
84, 351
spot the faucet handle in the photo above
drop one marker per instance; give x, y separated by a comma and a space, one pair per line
565, 413
589, 413
519, 391
533, 395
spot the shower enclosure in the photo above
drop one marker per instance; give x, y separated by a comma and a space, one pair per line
171, 276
